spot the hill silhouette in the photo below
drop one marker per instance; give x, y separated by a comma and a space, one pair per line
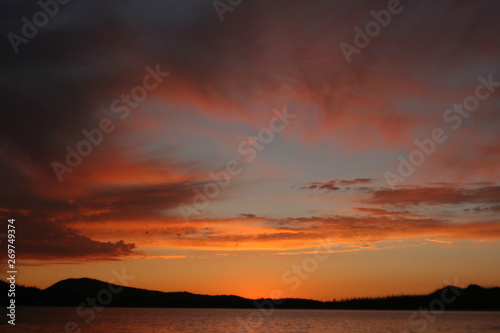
84, 291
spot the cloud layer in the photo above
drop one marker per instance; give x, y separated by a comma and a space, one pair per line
225, 77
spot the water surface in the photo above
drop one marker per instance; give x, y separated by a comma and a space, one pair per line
145, 320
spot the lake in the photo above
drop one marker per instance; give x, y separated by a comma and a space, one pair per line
146, 320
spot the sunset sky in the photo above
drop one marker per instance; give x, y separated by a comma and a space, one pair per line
234, 145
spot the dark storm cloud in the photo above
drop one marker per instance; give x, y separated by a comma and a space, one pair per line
51, 90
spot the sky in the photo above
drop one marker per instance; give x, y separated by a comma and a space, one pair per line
324, 150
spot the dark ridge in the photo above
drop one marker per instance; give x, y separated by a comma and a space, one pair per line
85, 291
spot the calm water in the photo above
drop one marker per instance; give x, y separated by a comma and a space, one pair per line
110, 320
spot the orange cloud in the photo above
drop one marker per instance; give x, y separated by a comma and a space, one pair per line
437, 195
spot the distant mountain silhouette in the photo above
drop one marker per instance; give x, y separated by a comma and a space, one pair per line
74, 292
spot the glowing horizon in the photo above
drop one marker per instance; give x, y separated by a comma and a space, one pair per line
239, 156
